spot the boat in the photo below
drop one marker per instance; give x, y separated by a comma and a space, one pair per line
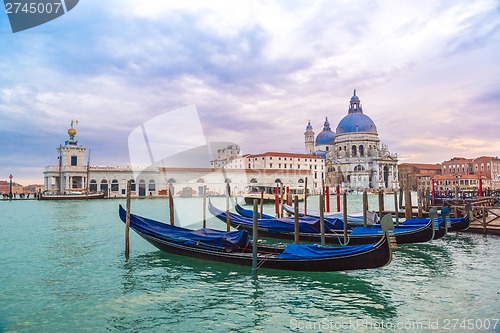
452, 224
235, 248
353, 218
267, 193
309, 229
75, 195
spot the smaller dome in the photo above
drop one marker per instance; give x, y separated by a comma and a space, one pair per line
326, 136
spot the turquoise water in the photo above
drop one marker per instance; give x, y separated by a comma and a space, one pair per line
62, 269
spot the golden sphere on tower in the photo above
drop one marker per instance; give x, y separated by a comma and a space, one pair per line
72, 131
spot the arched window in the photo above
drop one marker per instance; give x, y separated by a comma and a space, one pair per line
353, 150
301, 181
200, 180
277, 180
253, 181
114, 185
227, 181
361, 150
93, 186
359, 167
152, 185
132, 185
171, 181
104, 185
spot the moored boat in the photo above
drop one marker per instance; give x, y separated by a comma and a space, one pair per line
309, 229
71, 196
235, 248
268, 195
353, 218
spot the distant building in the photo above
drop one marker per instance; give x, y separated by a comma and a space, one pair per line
460, 172
5, 187
225, 156
33, 188
354, 156
73, 175
465, 173
417, 176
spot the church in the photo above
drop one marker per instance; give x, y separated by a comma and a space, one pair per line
354, 156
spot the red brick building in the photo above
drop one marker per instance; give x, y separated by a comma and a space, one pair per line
5, 187
417, 175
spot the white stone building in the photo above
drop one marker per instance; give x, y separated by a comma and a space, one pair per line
73, 174
355, 158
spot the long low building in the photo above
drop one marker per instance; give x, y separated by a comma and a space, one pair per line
74, 175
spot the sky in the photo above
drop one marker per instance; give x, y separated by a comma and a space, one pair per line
427, 73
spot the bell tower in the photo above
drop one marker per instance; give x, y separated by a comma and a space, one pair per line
309, 139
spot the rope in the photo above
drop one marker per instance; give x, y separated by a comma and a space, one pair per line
259, 265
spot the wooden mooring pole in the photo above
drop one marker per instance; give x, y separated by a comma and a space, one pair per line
407, 203
255, 230
305, 198
204, 206
337, 192
127, 222
380, 203
365, 207
396, 208
276, 201
419, 203
401, 193
171, 203
322, 220
261, 203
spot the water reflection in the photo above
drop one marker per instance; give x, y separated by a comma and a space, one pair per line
177, 290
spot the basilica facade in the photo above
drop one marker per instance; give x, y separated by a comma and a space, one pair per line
354, 156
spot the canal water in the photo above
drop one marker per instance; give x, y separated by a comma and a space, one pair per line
62, 269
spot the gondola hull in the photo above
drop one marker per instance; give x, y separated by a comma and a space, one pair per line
364, 257
379, 256
421, 234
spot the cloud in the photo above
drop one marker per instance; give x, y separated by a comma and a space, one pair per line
256, 71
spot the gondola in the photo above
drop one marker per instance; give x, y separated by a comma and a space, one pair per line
235, 248
353, 218
453, 224
309, 230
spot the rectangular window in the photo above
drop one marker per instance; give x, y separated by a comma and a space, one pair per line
74, 160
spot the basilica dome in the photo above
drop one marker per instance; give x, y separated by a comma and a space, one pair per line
356, 121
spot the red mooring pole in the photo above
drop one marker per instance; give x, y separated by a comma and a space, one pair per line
338, 198
327, 191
